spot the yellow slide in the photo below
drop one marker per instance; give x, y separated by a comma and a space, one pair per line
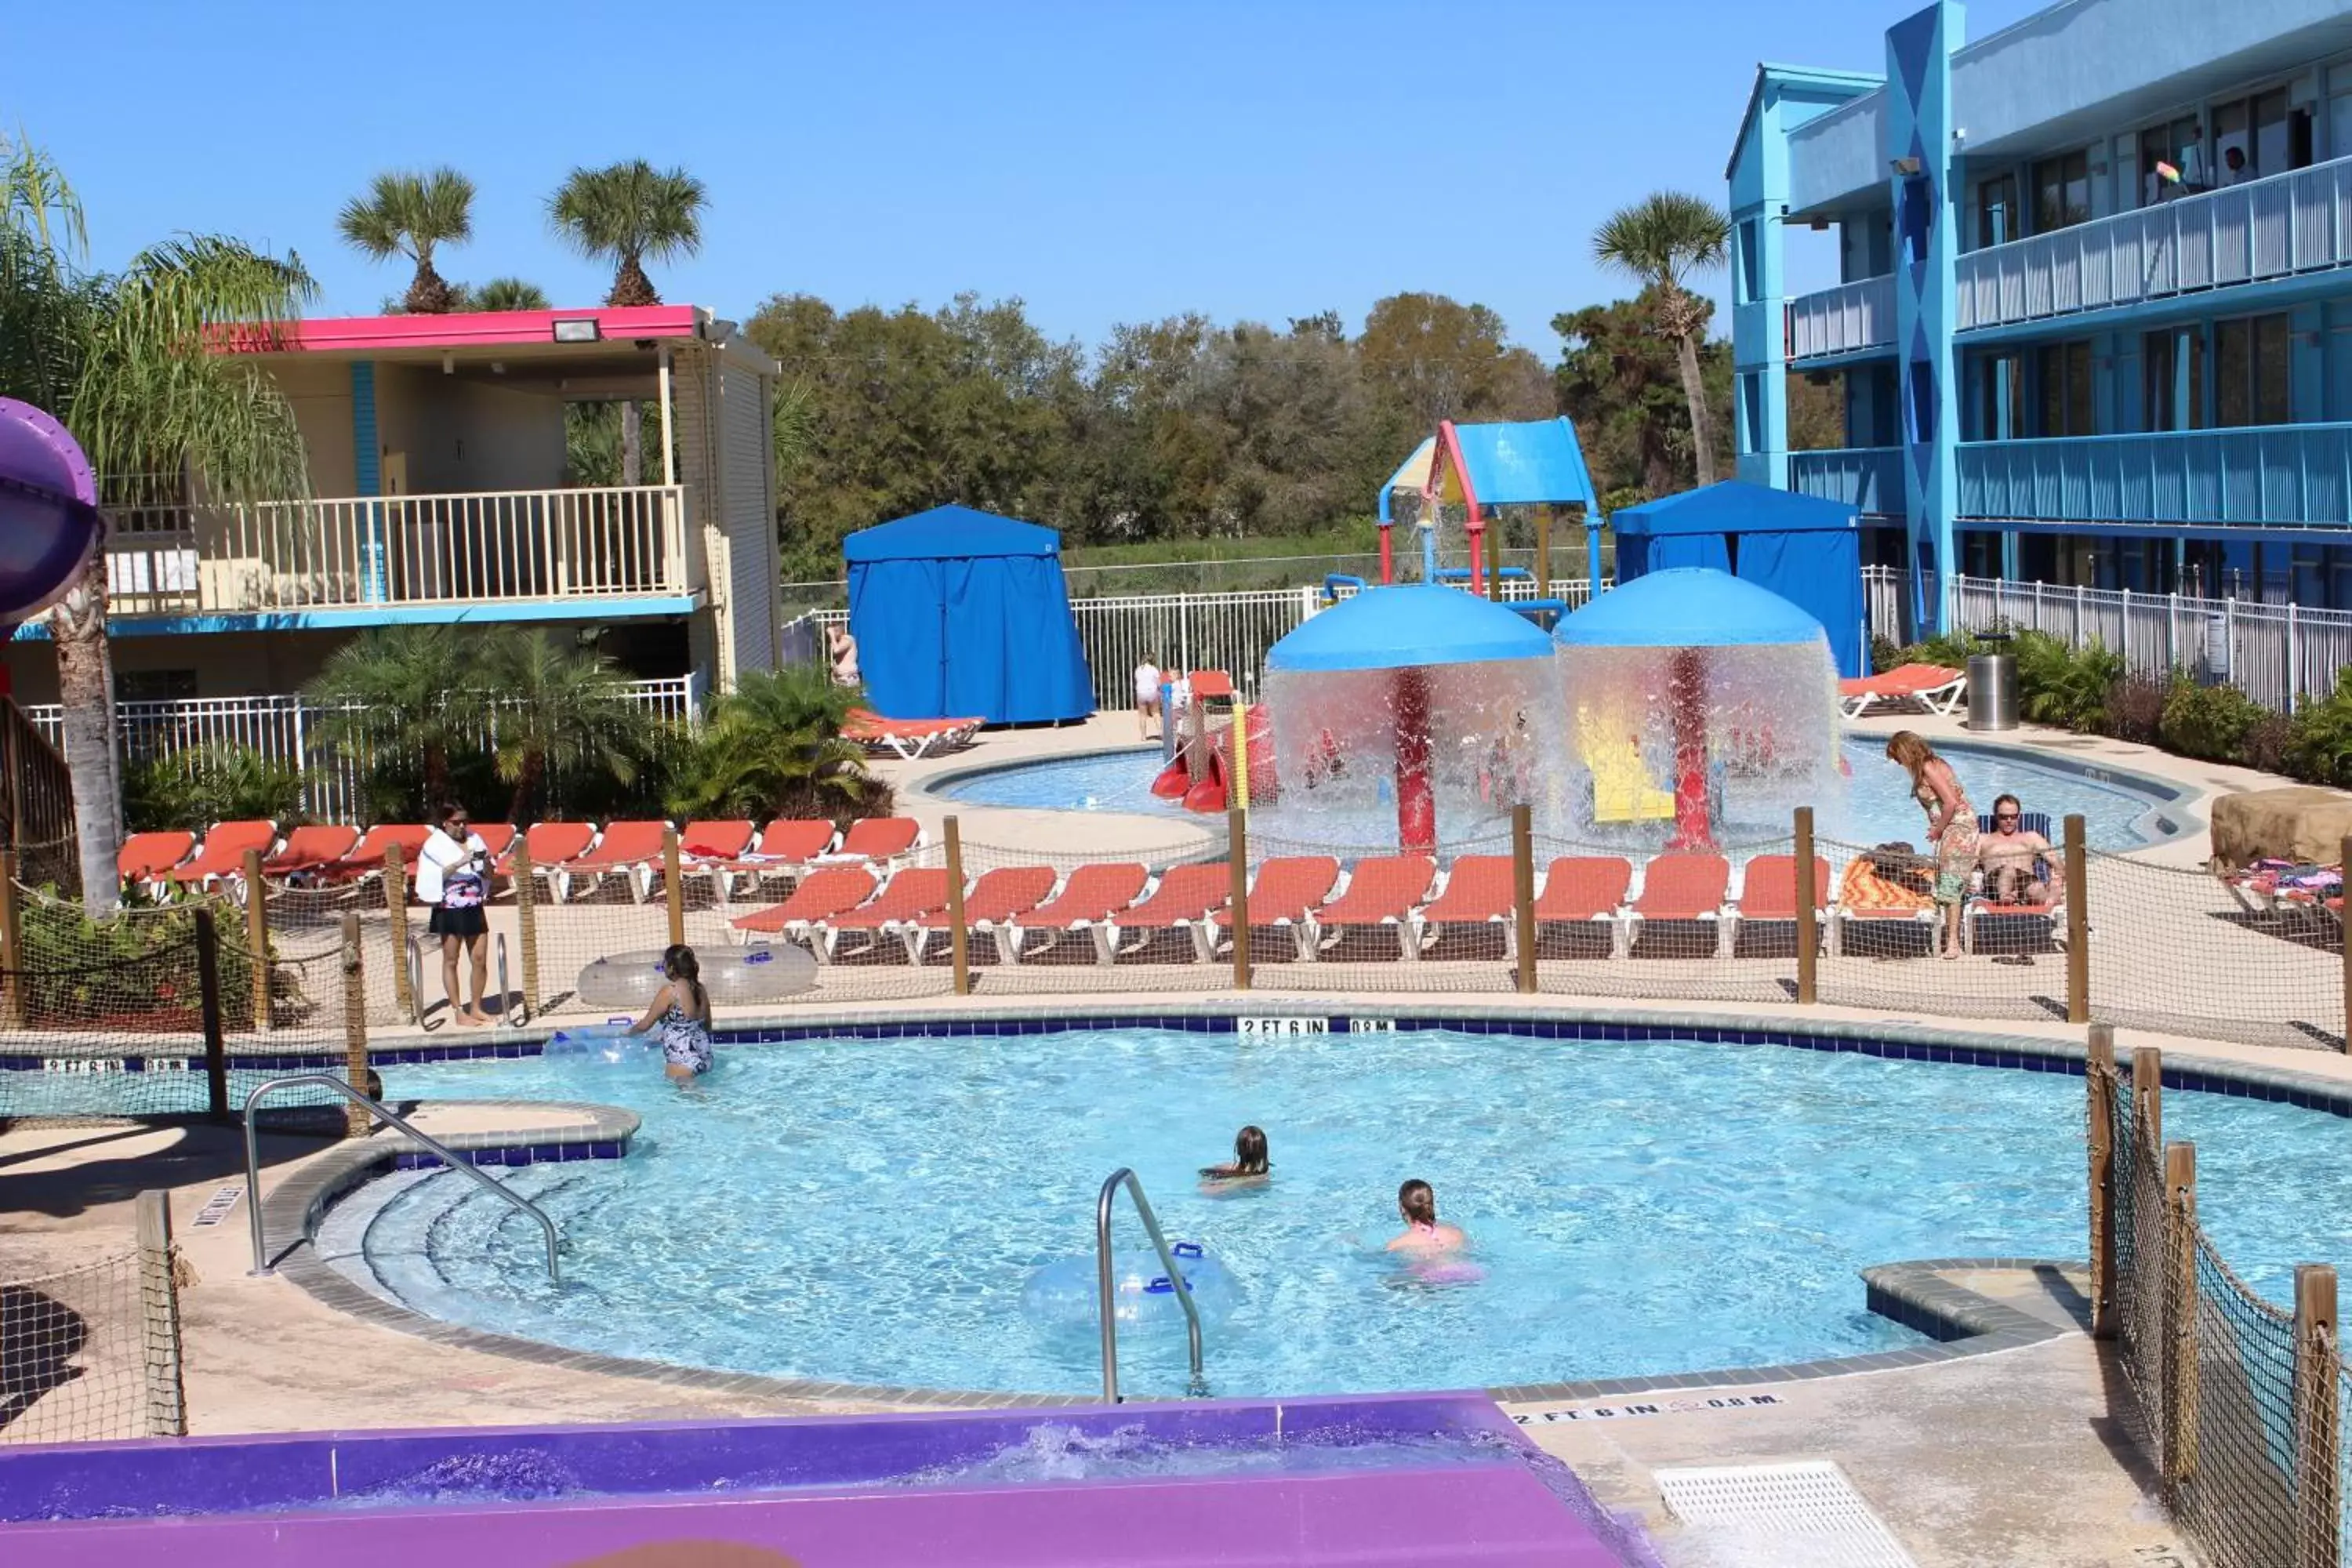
1621, 788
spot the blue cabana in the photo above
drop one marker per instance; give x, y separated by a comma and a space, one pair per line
962, 614
1807, 549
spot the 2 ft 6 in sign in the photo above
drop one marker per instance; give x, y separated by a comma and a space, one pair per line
1284, 1025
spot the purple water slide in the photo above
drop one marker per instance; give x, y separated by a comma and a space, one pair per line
48, 511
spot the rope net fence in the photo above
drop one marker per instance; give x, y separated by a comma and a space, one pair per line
84, 1349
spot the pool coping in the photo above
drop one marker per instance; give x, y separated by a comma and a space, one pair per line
1964, 1322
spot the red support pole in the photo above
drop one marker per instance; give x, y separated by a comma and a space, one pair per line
1387, 575
1416, 807
1687, 691
1477, 574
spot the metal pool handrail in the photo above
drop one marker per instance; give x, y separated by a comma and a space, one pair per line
447, 1156
1199, 1386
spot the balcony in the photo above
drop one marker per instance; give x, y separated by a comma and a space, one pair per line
372, 553
1868, 479
2278, 476
2282, 227
1851, 316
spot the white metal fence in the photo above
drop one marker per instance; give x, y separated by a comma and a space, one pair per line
286, 729
2279, 655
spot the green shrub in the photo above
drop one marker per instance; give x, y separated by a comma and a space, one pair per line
137, 972
1951, 649
2065, 686
1886, 654
2135, 708
2319, 742
2210, 721
216, 782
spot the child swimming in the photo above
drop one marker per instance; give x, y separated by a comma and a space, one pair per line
682, 1008
1249, 1163
1417, 1203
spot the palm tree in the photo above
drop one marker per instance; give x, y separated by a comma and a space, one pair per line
406, 214
559, 710
405, 691
772, 747
622, 214
127, 361
504, 294
1661, 240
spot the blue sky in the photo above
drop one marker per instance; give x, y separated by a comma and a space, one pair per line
1106, 162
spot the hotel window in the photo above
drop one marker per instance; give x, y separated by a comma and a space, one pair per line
2253, 376
155, 686
2067, 403
2179, 145
2061, 192
2259, 135
1997, 211
2159, 354
2001, 398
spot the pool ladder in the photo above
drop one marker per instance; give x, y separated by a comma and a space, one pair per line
447, 1156
1107, 1283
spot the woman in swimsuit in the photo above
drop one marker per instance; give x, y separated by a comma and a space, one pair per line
1417, 1203
682, 1009
1249, 1163
1951, 826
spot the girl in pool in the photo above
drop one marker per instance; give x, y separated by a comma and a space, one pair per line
1249, 1161
1422, 1233
682, 1009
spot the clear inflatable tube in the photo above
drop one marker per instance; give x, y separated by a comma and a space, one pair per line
1063, 1294
735, 977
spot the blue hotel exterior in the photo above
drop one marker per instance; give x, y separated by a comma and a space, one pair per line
2096, 322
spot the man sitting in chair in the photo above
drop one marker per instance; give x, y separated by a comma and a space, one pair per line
2019, 867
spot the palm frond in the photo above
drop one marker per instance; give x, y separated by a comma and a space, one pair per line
35, 195
1664, 238
628, 211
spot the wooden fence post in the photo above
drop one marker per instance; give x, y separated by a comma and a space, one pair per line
16, 1004
395, 903
2078, 926
1237, 852
2180, 1312
2099, 1084
357, 1122
1809, 913
159, 1316
2147, 1097
2318, 1370
1523, 896
673, 887
959, 939
256, 937
208, 1014
526, 890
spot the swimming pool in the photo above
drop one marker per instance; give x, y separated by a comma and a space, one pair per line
870, 1210
1878, 809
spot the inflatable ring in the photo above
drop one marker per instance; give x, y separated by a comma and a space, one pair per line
735, 976
1066, 1293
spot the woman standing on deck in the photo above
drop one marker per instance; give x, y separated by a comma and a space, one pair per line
452, 874
1951, 826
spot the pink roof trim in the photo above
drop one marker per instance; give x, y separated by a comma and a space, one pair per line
472, 329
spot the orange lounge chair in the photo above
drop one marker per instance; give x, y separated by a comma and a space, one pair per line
910, 739
1287, 889
1184, 896
1582, 891
822, 896
1768, 895
630, 851
1681, 888
497, 837
1937, 687
1383, 890
552, 844
713, 849
223, 856
144, 857
786, 847
366, 856
1867, 899
909, 901
1088, 898
1478, 891
310, 850
997, 903
877, 838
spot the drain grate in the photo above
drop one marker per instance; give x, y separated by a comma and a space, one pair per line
1771, 1515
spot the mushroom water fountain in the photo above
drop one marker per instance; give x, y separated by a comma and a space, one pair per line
1696, 697
1442, 699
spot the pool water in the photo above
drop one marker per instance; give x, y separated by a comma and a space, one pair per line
1877, 808
870, 1210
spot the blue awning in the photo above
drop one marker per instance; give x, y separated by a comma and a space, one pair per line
1688, 606
1402, 627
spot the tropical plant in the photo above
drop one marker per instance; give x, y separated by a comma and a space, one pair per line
395, 691
1663, 241
2321, 744
219, 781
773, 747
503, 294
592, 442
2209, 721
412, 214
2069, 687
2135, 708
560, 709
129, 363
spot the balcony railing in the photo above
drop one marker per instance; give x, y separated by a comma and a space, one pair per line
411, 550
1869, 478
2275, 227
1857, 315
2275, 476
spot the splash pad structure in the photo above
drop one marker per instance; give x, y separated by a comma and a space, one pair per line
1692, 674
50, 520
1446, 701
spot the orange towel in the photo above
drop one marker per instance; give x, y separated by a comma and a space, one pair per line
1862, 887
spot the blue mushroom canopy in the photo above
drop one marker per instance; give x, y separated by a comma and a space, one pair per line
1689, 607
1407, 626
